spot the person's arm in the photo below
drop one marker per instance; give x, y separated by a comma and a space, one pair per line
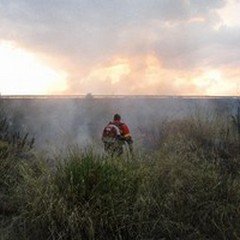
126, 134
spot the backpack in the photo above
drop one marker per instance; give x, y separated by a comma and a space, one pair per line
111, 133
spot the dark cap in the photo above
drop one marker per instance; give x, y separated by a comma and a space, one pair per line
116, 117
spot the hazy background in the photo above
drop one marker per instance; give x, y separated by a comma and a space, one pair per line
59, 123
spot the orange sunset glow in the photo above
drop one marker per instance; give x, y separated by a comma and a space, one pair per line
146, 48
23, 73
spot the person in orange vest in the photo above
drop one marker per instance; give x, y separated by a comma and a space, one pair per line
115, 135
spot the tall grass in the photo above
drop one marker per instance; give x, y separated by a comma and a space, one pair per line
186, 188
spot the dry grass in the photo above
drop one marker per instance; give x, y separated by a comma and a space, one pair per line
187, 187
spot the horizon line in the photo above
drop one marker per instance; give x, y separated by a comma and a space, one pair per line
98, 96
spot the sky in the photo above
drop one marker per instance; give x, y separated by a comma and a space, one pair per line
120, 47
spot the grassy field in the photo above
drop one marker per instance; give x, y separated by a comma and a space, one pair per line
185, 185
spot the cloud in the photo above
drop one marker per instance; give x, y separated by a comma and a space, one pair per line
88, 36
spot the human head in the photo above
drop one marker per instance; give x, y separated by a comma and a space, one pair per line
116, 117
